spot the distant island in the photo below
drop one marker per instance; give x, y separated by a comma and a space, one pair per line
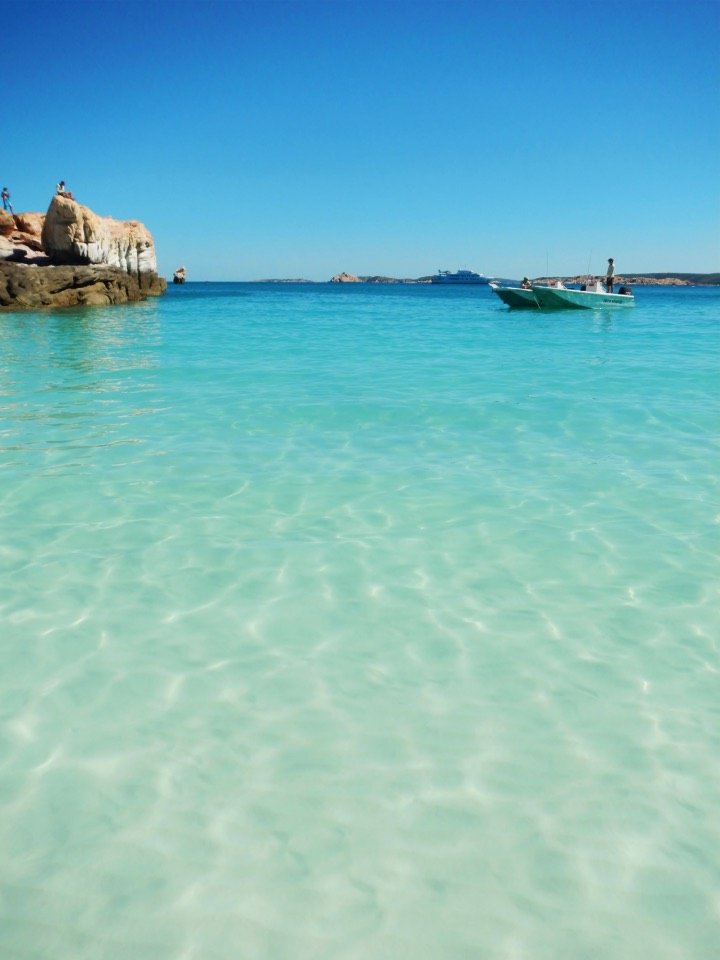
649, 279
351, 278
638, 279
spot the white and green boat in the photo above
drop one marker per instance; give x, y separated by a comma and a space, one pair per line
518, 298
592, 295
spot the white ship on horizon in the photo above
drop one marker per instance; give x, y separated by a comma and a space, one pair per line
460, 276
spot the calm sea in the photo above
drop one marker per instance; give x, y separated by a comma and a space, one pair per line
360, 623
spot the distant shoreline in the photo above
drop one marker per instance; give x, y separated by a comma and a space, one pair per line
637, 279
648, 279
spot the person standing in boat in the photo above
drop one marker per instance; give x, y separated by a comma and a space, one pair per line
609, 276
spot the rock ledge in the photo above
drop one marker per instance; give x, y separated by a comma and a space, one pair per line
29, 288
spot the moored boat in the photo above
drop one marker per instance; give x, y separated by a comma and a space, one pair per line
517, 298
593, 296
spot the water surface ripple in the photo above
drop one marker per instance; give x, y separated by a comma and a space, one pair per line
360, 623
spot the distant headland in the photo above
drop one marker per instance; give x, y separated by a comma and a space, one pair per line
70, 256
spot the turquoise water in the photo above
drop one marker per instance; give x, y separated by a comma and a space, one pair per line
360, 623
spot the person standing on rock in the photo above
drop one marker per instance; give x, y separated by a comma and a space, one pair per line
6, 199
609, 276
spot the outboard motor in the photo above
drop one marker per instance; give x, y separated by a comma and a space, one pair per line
625, 291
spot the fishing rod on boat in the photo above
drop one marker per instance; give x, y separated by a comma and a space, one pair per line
588, 276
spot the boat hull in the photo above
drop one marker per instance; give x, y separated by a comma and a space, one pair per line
554, 298
517, 298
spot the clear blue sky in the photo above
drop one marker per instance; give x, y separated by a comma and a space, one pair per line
299, 139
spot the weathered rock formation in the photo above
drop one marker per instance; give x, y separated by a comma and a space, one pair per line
73, 234
28, 229
20, 237
25, 287
345, 278
7, 223
71, 256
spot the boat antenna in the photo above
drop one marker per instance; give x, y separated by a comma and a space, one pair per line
589, 262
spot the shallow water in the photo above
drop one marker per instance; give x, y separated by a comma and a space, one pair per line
368, 622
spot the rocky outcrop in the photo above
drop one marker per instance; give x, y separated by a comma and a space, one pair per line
345, 278
28, 287
73, 234
21, 238
28, 229
70, 256
7, 223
